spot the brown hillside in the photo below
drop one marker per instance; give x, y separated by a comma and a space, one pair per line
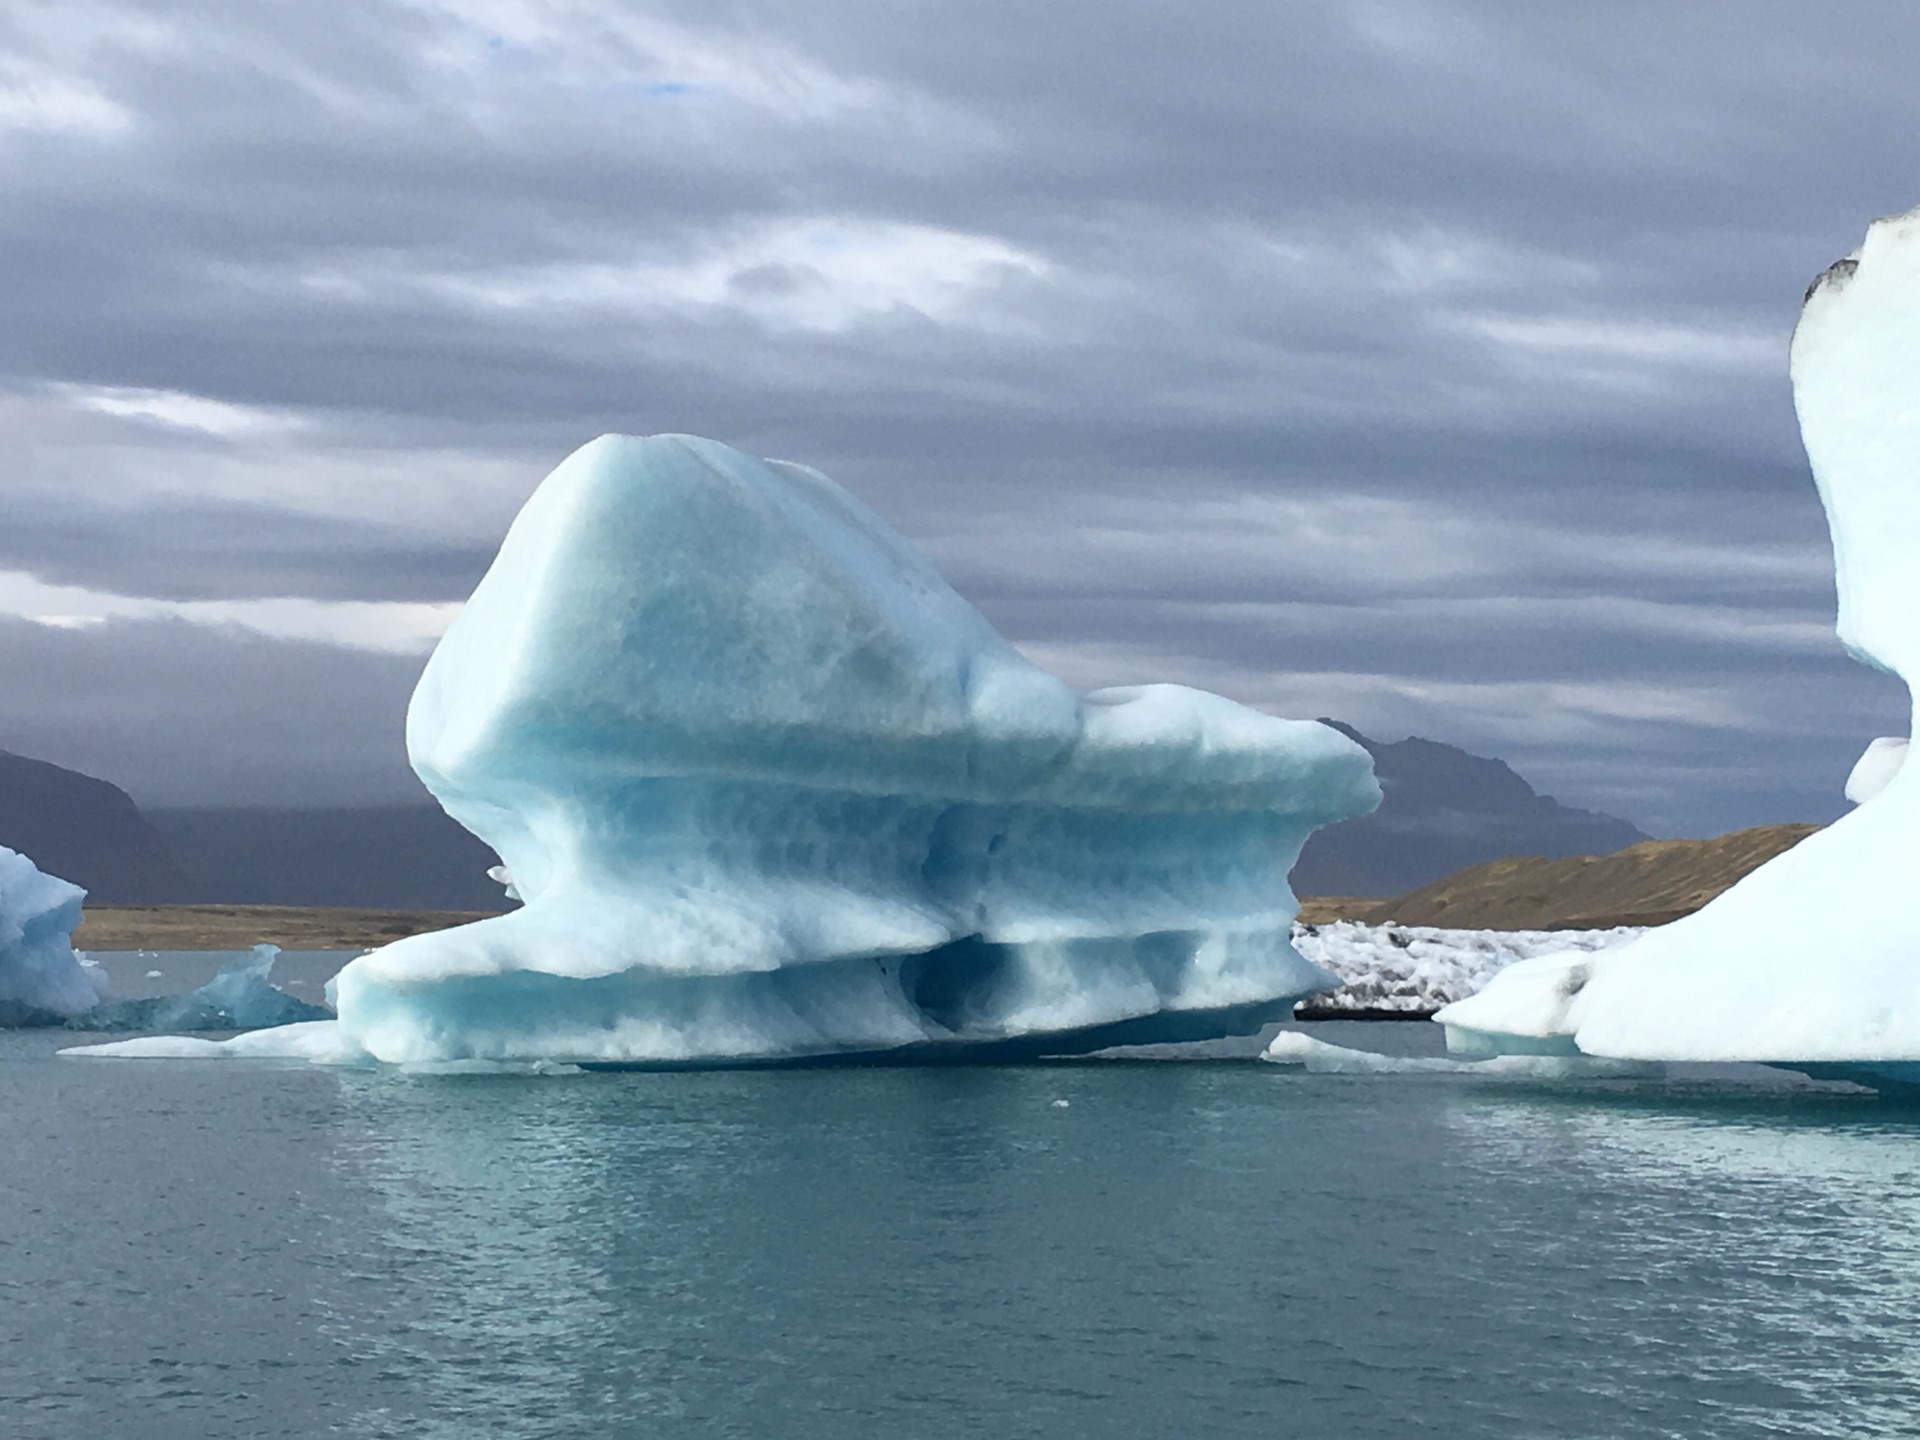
1325, 909
1645, 884
237, 927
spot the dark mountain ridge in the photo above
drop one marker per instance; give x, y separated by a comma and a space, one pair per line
396, 857
84, 830
403, 857
1443, 810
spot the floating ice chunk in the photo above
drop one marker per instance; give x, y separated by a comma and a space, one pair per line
771, 789
42, 980
1317, 1057
1290, 1047
240, 997
1876, 767
318, 1042
1812, 960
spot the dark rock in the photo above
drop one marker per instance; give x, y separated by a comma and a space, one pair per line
1444, 810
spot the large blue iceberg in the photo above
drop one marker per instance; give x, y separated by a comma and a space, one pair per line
770, 790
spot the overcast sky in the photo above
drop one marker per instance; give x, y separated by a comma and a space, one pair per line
1421, 364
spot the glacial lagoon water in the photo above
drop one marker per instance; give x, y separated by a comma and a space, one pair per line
1221, 1248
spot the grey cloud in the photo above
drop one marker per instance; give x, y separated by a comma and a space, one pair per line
179, 714
206, 551
1512, 269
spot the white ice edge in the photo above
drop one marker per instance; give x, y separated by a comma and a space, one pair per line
1317, 1057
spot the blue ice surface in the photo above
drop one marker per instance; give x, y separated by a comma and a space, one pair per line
772, 791
42, 981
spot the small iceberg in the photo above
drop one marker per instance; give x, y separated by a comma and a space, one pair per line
240, 997
45, 982
42, 980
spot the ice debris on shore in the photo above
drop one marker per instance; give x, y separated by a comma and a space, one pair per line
1813, 960
1416, 969
771, 790
42, 980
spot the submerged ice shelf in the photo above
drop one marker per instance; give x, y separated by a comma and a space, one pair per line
769, 789
1812, 960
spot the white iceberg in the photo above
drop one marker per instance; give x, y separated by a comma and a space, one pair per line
42, 980
771, 790
1813, 960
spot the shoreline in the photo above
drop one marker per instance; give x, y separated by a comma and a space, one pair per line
1308, 1013
241, 927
